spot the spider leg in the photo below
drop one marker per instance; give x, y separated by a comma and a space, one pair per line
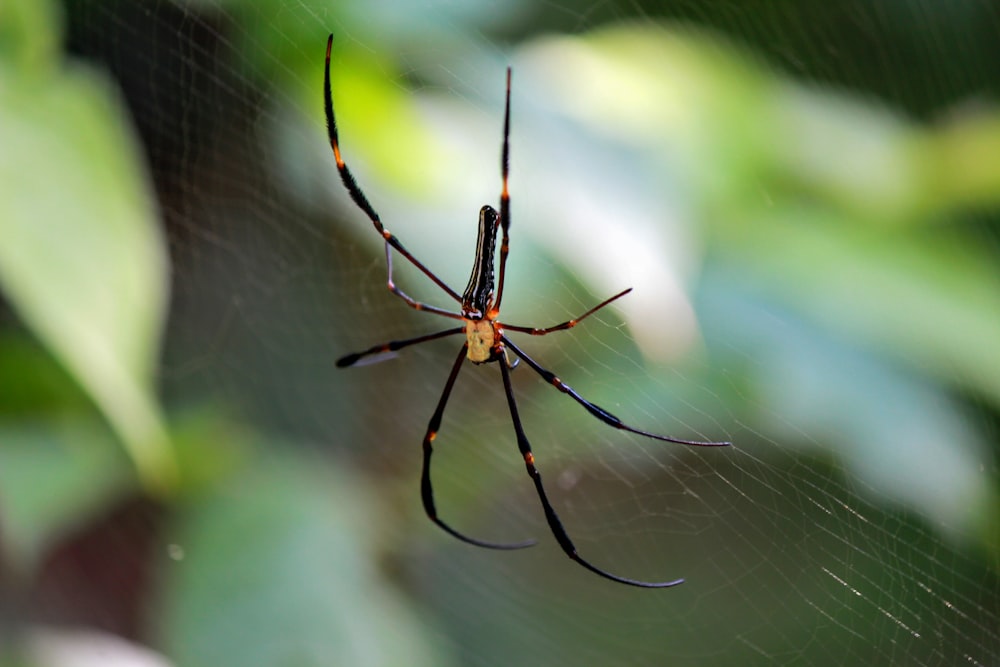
569, 324
504, 198
410, 301
393, 345
555, 524
359, 197
597, 410
426, 492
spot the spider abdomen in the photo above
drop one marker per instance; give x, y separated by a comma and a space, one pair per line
478, 296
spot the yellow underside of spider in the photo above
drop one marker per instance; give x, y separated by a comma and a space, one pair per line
481, 336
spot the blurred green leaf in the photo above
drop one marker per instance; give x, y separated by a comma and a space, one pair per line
59, 463
82, 260
33, 384
277, 569
29, 35
827, 198
54, 475
962, 158
926, 296
898, 433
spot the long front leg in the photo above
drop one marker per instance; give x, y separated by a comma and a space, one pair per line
504, 200
359, 198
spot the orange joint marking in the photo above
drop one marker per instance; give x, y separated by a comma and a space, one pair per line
431, 435
529, 458
336, 156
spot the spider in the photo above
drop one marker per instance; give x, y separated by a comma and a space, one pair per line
485, 340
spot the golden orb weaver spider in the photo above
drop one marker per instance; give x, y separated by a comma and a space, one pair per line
485, 341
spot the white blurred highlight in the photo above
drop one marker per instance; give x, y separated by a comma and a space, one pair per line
49, 647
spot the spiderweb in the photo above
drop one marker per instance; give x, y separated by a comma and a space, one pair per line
853, 522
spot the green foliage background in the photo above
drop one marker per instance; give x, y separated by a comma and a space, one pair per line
179, 269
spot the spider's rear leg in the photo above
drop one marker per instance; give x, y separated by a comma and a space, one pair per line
598, 411
555, 524
426, 492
